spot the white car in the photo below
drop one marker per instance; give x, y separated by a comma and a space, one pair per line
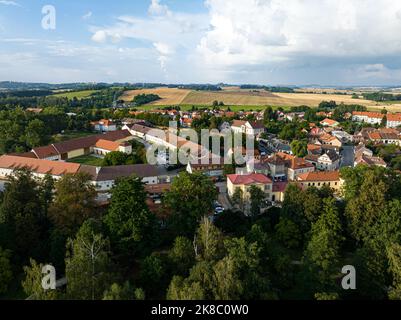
218, 210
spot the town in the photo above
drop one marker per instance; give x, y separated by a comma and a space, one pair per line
200, 157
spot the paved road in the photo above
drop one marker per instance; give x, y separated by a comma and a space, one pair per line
223, 199
347, 154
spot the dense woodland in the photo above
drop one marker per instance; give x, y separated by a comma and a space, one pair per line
295, 252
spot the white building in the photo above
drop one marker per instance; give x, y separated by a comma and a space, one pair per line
329, 161
247, 127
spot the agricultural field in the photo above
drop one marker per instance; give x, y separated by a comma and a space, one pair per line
245, 99
169, 96
78, 94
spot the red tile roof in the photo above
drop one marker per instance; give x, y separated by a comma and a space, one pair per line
394, 117
330, 122
320, 176
45, 152
39, 166
368, 114
107, 145
254, 178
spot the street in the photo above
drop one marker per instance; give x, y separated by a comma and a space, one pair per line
347, 156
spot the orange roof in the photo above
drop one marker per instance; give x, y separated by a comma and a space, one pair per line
285, 156
330, 122
38, 166
103, 122
107, 145
320, 176
375, 136
312, 147
368, 114
249, 179
300, 163
238, 123
394, 117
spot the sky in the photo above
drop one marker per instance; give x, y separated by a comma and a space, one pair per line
270, 42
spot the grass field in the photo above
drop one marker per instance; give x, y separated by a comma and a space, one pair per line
78, 94
239, 99
88, 160
68, 135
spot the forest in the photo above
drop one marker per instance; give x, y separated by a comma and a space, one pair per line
293, 252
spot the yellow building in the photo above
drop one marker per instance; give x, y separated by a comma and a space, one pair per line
245, 182
320, 179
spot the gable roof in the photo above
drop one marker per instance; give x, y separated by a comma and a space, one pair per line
45, 152
394, 117
39, 166
256, 124
90, 141
320, 176
368, 114
253, 178
107, 145
238, 123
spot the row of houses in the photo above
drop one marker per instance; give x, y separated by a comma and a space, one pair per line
274, 191
393, 120
379, 136
156, 178
99, 144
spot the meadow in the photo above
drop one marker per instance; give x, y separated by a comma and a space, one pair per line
78, 94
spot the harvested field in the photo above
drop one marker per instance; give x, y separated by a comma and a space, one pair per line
169, 96
245, 99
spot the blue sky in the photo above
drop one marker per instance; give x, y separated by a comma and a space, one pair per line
277, 42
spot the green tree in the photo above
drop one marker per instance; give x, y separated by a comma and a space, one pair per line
153, 276
299, 148
183, 289
209, 246
115, 158
190, 198
365, 208
32, 284
89, 269
288, 233
394, 257
124, 292
323, 249
132, 227
22, 223
36, 133
269, 114
238, 198
182, 256
6, 273
256, 196
73, 204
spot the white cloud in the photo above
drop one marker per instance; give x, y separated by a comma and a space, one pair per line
156, 8
168, 33
100, 36
274, 31
87, 16
10, 3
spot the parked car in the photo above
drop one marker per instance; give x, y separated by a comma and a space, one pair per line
218, 210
